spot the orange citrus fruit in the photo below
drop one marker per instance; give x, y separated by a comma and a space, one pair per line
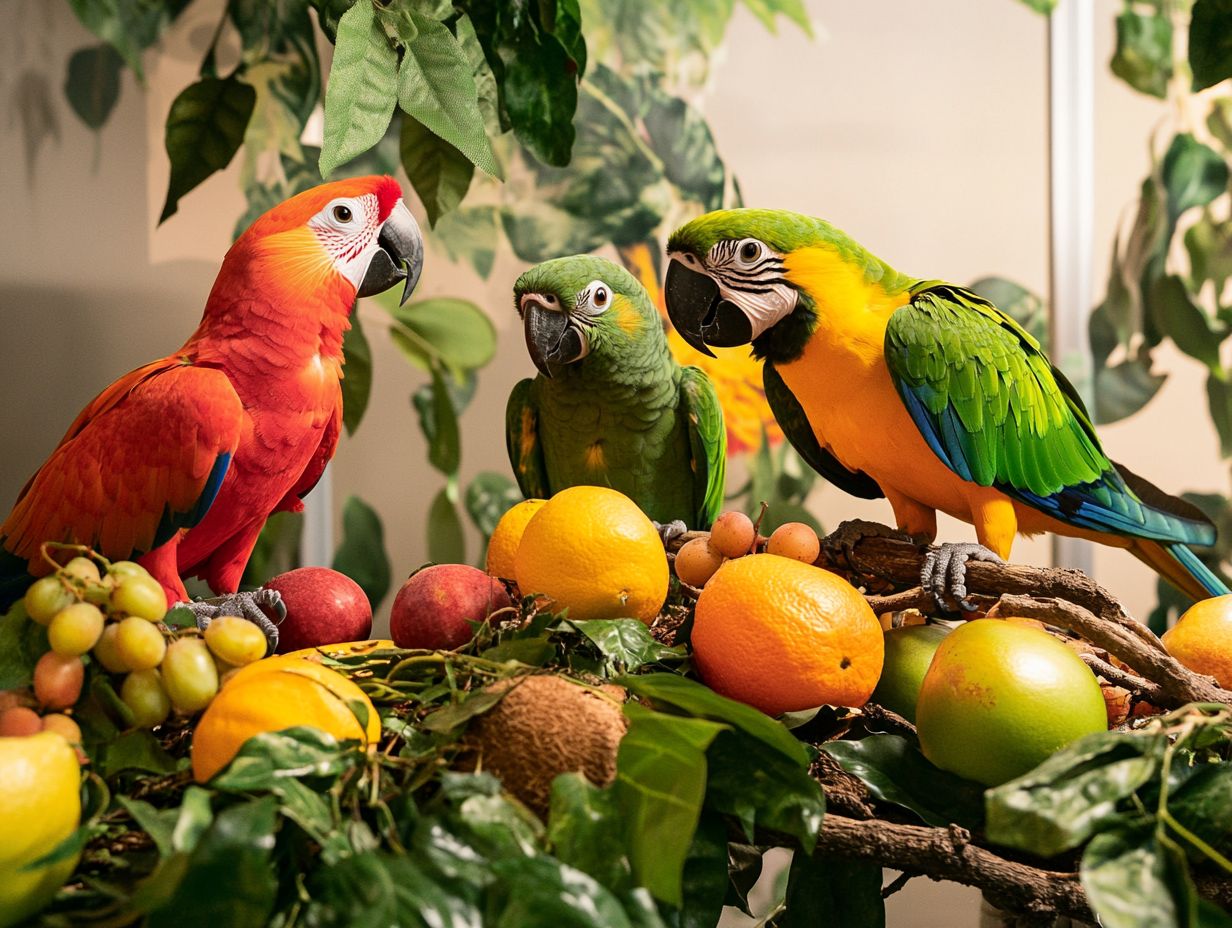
40, 806
273, 694
781, 636
1000, 698
1201, 639
592, 551
503, 545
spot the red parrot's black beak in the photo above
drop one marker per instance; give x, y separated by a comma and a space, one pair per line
700, 314
399, 257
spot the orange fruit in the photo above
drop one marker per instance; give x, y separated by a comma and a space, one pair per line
781, 636
592, 551
1000, 698
503, 545
273, 694
1201, 639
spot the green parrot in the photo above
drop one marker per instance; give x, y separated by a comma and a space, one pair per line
919, 391
610, 406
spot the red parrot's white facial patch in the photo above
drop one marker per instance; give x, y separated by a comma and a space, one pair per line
348, 228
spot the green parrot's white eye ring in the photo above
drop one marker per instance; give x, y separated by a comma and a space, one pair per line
595, 298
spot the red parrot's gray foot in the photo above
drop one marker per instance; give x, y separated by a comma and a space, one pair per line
670, 531
840, 544
251, 606
944, 573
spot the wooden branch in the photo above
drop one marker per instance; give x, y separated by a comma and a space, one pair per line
1151, 692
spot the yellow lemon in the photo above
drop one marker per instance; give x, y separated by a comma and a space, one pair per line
503, 545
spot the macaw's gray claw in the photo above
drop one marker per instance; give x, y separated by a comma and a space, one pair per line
840, 544
670, 531
944, 574
251, 606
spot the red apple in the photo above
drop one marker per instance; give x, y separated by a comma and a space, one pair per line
323, 607
435, 607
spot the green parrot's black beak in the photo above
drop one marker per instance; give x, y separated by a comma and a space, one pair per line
552, 338
399, 256
701, 316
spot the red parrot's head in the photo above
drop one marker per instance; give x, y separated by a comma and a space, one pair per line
357, 230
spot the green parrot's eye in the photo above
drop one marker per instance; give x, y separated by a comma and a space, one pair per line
342, 213
601, 296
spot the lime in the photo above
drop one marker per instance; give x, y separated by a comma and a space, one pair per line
908, 652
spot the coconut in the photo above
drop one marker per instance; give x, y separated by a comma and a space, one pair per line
545, 726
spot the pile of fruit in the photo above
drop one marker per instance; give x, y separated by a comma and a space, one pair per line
588, 716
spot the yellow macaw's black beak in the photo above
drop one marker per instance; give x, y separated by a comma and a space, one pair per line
699, 313
552, 338
399, 257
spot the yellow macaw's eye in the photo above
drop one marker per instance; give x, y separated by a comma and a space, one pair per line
749, 251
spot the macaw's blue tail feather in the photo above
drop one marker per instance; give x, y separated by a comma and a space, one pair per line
14, 580
1177, 564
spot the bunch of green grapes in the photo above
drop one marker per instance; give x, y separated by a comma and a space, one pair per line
114, 616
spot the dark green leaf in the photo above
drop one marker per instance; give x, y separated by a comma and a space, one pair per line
625, 644
824, 892
1219, 122
22, 643
440, 173
470, 233
669, 689
1219, 401
1122, 389
157, 823
426, 397
1041, 6
380, 890
542, 891
441, 427
204, 130
270, 757
195, 816
1209, 244
681, 137
895, 771
456, 714
705, 876
1203, 804
1143, 56
481, 71
488, 497
1134, 878
453, 332
1193, 175
1177, 316
660, 784
1210, 42
436, 86
585, 831
362, 89
130, 26
361, 555
136, 750
93, 83
744, 868
534, 652
357, 374
1073, 794
446, 543
229, 880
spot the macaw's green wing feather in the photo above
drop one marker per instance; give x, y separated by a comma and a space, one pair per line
997, 413
707, 444
522, 442
795, 425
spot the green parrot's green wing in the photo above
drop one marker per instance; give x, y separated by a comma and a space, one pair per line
996, 412
707, 444
795, 425
522, 442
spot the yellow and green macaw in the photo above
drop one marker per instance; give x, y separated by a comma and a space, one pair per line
610, 406
919, 391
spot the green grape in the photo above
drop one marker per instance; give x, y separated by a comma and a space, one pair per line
46, 597
140, 644
57, 680
139, 596
83, 569
189, 674
107, 651
235, 641
143, 693
120, 569
75, 629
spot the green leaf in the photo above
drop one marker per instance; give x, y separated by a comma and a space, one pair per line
1203, 804
833, 892
440, 173
93, 83
1143, 56
436, 86
362, 89
1179, 317
1136, 878
22, 643
446, 543
681, 137
488, 497
485, 81
270, 757
361, 555
357, 374
1041, 6
130, 26
660, 784
451, 331
1209, 244
470, 234
534, 652
766, 10
1122, 389
1024, 307
1219, 401
683, 694
1210, 42
705, 876
542, 891
205, 127
585, 831
625, 644
159, 824
233, 855
137, 749
1193, 175
439, 422
894, 771
1073, 794
372, 890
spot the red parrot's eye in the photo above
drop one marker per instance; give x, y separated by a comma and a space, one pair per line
342, 213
